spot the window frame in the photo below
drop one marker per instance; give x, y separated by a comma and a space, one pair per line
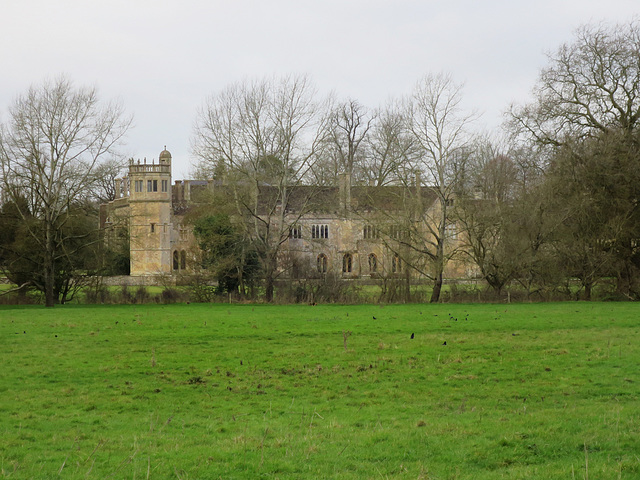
322, 263
373, 263
347, 263
320, 231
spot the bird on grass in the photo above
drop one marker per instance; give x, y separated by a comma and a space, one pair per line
444, 343
412, 335
374, 317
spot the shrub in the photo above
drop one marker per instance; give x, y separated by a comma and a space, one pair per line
142, 295
172, 295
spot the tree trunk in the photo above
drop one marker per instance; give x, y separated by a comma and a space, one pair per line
268, 291
437, 287
439, 258
49, 272
269, 281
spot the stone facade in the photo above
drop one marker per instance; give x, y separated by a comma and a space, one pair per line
352, 231
144, 207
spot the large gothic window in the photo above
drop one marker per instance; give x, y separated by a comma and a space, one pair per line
322, 263
347, 263
175, 260
373, 263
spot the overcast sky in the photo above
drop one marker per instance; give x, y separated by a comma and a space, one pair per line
162, 58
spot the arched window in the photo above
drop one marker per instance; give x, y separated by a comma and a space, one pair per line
175, 260
183, 260
373, 263
396, 264
347, 263
322, 263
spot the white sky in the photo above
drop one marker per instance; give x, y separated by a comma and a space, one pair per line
162, 58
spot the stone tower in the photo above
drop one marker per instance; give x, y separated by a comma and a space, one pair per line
150, 216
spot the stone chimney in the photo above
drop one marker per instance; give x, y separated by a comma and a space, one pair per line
178, 191
187, 190
344, 187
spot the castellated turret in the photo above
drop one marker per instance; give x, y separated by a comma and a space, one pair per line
150, 224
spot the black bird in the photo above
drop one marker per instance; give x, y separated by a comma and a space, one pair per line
412, 335
444, 343
374, 317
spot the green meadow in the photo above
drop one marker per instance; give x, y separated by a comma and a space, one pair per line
208, 391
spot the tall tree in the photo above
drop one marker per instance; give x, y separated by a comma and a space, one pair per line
587, 116
54, 139
484, 209
267, 135
438, 126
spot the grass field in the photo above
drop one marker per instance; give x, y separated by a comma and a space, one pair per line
539, 391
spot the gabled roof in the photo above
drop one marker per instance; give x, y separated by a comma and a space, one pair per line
302, 199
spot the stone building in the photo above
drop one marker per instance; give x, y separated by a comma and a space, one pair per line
353, 231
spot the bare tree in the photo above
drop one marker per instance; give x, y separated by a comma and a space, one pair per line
105, 175
349, 125
391, 152
50, 147
438, 127
591, 86
267, 135
586, 116
483, 201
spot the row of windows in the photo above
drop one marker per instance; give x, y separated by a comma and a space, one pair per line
347, 263
319, 231
369, 232
152, 186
